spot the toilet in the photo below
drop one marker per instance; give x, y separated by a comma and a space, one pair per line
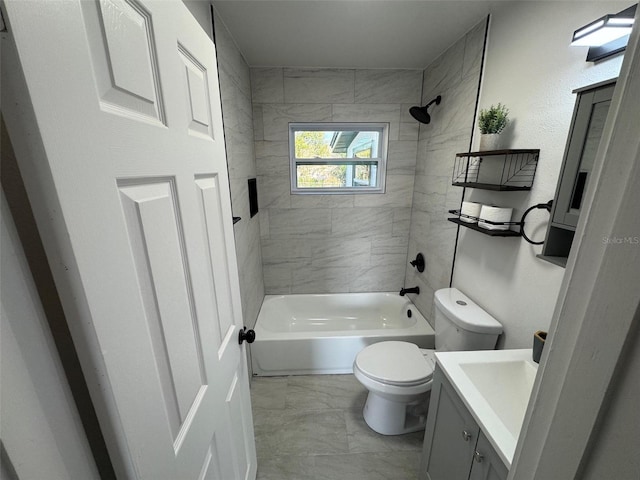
398, 375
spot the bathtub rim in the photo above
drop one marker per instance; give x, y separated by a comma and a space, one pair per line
344, 344
418, 327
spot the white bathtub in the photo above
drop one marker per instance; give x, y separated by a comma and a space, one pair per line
309, 334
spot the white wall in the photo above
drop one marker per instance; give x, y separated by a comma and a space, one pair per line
41, 429
531, 68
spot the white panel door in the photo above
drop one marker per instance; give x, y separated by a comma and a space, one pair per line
118, 130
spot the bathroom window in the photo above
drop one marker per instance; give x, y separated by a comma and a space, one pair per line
331, 158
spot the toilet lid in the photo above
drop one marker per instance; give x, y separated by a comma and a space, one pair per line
396, 363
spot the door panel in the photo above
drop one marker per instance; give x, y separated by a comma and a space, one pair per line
129, 185
211, 466
124, 58
197, 93
217, 248
239, 417
158, 247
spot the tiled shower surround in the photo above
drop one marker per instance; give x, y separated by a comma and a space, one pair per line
333, 243
234, 78
347, 243
455, 75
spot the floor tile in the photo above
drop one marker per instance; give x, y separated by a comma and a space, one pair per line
286, 468
368, 466
312, 428
314, 392
300, 433
365, 466
362, 439
268, 393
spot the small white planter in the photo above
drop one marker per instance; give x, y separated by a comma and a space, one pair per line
489, 141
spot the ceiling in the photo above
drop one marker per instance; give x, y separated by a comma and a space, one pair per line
347, 33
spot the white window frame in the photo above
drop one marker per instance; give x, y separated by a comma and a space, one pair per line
381, 170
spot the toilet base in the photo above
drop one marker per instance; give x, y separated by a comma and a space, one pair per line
389, 417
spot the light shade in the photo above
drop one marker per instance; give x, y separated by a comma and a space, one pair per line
606, 36
603, 31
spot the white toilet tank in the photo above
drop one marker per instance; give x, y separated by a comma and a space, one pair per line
461, 324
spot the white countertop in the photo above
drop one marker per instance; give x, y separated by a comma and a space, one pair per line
495, 385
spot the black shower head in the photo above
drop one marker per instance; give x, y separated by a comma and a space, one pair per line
421, 114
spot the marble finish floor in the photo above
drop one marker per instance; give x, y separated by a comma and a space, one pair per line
311, 427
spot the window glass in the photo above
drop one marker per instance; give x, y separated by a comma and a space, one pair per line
338, 158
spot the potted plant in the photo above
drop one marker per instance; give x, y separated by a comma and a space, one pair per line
491, 122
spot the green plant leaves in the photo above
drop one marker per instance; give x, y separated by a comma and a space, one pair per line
494, 119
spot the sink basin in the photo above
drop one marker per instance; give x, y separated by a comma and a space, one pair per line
495, 385
506, 386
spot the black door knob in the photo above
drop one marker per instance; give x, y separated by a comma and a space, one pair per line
248, 335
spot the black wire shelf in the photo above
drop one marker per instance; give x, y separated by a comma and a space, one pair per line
472, 223
499, 170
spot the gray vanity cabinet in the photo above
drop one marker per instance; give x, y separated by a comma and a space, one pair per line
486, 463
454, 447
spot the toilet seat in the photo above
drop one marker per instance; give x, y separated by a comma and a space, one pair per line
393, 363
398, 376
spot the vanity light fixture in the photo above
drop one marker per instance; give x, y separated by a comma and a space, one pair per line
606, 36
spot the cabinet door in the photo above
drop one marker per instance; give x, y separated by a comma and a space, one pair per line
591, 112
450, 436
487, 465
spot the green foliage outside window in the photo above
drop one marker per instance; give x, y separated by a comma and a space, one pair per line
310, 144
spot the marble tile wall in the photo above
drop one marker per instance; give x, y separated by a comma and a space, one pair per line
333, 243
235, 90
456, 76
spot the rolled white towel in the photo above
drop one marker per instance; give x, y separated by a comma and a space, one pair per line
472, 209
494, 214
